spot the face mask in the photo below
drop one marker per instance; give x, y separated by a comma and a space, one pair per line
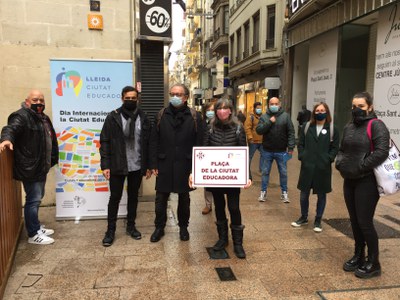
320, 116
223, 114
210, 114
274, 108
175, 101
258, 111
130, 105
37, 108
358, 114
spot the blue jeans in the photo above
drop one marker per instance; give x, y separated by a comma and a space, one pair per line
281, 159
34, 193
252, 150
304, 203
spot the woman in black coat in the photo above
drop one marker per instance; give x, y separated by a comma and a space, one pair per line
356, 162
225, 130
318, 146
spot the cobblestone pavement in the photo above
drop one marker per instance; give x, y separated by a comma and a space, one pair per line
282, 262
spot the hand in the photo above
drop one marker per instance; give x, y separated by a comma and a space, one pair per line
249, 183
106, 174
154, 172
7, 144
273, 119
191, 180
148, 174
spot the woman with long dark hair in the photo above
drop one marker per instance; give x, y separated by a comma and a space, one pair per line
317, 148
225, 130
356, 162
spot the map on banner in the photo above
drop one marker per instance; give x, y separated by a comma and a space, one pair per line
79, 161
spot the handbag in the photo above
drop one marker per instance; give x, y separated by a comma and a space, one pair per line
387, 174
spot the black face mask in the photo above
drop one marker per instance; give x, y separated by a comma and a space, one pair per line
358, 114
38, 108
130, 105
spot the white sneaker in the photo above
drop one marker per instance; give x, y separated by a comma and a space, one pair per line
40, 239
263, 196
285, 197
46, 231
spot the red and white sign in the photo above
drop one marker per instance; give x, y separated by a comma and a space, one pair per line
220, 166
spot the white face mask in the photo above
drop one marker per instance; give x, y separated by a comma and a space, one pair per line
175, 101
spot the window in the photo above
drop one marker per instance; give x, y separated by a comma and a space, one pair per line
238, 45
256, 32
246, 39
226, 20
270, 27
232, 53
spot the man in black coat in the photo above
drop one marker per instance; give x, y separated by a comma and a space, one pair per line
178, 128
124, 142
31, 135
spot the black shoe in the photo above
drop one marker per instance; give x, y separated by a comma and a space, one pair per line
133, 232
369, 269
108, 238
356, 261
157, 235
184, 234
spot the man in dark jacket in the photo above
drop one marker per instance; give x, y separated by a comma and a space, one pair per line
31, 135
278, 144
124, 142
178, 128
303, 117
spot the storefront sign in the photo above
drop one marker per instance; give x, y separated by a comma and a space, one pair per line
322, 69
387, 70
272, 83
296, 4
155, 18
220, 166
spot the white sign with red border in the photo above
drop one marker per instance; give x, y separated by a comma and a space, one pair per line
220, 166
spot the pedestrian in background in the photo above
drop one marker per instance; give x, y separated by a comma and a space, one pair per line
241, 117
208, 115
30, 134
177, 130
356, 162
278, 143
124, 147
303, 117
226, 130
253, 138
317, 149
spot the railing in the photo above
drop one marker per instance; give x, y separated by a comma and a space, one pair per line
10, 217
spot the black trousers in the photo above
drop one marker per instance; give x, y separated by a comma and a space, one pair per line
361, 196
116, 188
232, 195
161, 209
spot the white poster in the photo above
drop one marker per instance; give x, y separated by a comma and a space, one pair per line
220, 166
387, 70
83, 93
322, 66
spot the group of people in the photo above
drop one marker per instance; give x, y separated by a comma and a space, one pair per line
132, 148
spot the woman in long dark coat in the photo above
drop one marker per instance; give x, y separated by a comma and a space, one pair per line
317, 149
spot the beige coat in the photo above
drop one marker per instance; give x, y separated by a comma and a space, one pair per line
250, 128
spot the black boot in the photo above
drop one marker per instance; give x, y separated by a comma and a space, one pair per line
370, 268
157, 235
356, 261
184, 233
109, 238
237, 236
222, 228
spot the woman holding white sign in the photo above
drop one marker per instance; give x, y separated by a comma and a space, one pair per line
226, 130
356, 162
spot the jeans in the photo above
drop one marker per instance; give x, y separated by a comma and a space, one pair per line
252, 150
232, 195
116, 189
361, 197
161, 209
304, 203
34, 193
281, 160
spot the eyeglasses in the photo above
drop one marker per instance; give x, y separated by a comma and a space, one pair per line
130, 98
176, 94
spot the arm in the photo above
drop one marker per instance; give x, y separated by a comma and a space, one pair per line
290, 133
334, 145
380, 139
302, 142
248, 128
153, 146
105, 146
12, 130
264, 125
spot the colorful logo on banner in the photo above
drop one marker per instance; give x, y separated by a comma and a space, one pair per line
68, 80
